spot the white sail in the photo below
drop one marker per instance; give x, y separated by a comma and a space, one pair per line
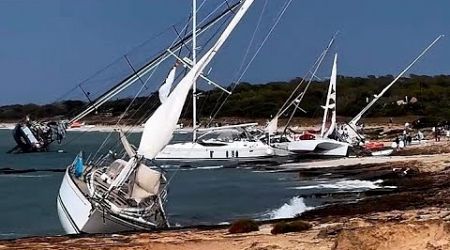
164, 90
161, 125
272, 126
331, 102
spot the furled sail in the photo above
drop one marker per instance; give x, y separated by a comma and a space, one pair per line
160, 126
164, 90
331, 102
272, 126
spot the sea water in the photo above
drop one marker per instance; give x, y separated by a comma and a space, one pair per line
206, 195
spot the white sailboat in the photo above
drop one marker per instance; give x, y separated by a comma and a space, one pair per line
128, 195
226, 145
323, 144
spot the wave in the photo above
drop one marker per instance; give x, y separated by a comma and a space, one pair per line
202, 168
293, 207
347, 185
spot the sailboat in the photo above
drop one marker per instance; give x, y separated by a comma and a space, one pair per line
113, 195
226, 145
36, 136
351, 131
325, 144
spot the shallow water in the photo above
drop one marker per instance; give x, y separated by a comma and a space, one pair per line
207, 195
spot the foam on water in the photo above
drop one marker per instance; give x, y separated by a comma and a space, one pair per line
293, 207
202, 168
347, 185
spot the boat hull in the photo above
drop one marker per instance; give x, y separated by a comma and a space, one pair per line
192, 153
317, 147
77, 215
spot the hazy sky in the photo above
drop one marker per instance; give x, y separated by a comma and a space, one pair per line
48, 46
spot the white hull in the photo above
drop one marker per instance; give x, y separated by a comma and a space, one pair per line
232, 152
319, 147
76, 214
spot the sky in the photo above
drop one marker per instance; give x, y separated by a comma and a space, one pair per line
49, 46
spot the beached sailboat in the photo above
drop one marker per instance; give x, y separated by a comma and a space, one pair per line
226, 145
325, 144
111, 195
351, 131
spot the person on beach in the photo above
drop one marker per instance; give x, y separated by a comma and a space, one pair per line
436, 133
419, 136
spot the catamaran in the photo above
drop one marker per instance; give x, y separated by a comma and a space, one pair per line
112, 195
325, 144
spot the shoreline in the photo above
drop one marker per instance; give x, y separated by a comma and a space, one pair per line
414, 215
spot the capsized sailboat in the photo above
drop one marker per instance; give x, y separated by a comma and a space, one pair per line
112, 195
35, 136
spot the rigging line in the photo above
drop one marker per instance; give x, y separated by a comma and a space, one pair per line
290, 100
324, 53
185, 28
216, 32
288, 2
154, 70
126, 110
134, 71
247, 52
163, 55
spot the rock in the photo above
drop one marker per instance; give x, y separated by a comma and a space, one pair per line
331, 230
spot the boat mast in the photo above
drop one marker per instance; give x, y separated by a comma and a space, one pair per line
194, 61
355, 120
152, 64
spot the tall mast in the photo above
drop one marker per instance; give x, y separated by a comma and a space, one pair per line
355, 120
194, 61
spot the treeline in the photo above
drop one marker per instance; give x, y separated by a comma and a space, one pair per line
421, 95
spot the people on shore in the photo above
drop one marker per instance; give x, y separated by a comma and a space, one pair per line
437, 134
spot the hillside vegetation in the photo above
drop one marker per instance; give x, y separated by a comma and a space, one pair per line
431, 98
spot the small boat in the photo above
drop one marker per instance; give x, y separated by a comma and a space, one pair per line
123, 194
384, 152
34, 136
